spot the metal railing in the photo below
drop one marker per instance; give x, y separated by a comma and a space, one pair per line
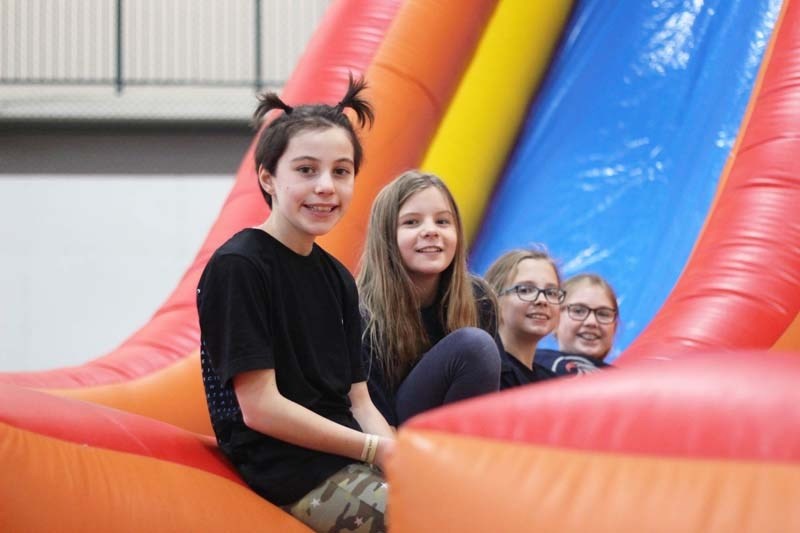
121, 43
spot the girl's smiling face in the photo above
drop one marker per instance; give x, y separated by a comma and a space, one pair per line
312, 186
529, 320
426, 236
588, 336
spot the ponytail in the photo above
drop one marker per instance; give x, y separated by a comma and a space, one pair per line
352, 99
266, 103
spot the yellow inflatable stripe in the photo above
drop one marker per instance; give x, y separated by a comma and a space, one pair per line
481, 124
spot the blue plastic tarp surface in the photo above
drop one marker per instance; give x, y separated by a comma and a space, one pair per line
620, 156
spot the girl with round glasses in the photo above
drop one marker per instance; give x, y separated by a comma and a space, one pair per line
589, 318
527, 284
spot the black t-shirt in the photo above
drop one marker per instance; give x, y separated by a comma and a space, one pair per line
514, 373
263, 306
565, 364
381, 392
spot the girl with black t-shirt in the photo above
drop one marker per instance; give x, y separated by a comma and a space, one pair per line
280, 330
528, 288
430, 327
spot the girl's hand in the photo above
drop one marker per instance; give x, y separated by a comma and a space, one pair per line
384, 452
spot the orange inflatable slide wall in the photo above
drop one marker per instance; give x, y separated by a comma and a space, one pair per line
675, 440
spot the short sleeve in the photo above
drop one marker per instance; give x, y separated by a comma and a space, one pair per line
235, 321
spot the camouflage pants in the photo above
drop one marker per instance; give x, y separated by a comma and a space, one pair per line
353, 499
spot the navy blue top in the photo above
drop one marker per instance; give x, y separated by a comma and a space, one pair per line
564, 364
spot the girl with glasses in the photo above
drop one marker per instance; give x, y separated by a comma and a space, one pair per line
429, 326
527, 284
589, 318
280, 329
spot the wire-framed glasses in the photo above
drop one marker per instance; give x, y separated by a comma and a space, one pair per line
580, 312
529, 293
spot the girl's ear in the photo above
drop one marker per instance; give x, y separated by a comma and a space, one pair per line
265, 180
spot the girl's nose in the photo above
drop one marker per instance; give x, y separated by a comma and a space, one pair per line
429, 230
324, 183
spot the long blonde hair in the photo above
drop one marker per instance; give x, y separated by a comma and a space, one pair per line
394, 328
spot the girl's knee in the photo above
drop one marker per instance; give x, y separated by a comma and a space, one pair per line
478, 346
475, 337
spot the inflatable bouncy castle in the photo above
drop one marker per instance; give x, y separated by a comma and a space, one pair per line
652, 142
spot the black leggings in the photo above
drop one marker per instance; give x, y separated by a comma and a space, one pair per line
464, 364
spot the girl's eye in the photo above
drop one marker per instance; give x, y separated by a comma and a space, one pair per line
409, 222
444, 222
305, 169
342, 172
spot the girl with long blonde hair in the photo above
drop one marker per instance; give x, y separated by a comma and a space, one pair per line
429, 326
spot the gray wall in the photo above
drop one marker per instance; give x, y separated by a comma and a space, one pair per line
104, 149
105, 197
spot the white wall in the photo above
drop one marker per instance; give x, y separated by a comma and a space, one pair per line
85, 261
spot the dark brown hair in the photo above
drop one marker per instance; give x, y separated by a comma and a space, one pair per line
275, 137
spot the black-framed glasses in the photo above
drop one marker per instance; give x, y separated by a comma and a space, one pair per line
580, 312
529, 293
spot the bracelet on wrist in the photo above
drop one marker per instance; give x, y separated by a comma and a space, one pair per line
370, 448
373, 449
